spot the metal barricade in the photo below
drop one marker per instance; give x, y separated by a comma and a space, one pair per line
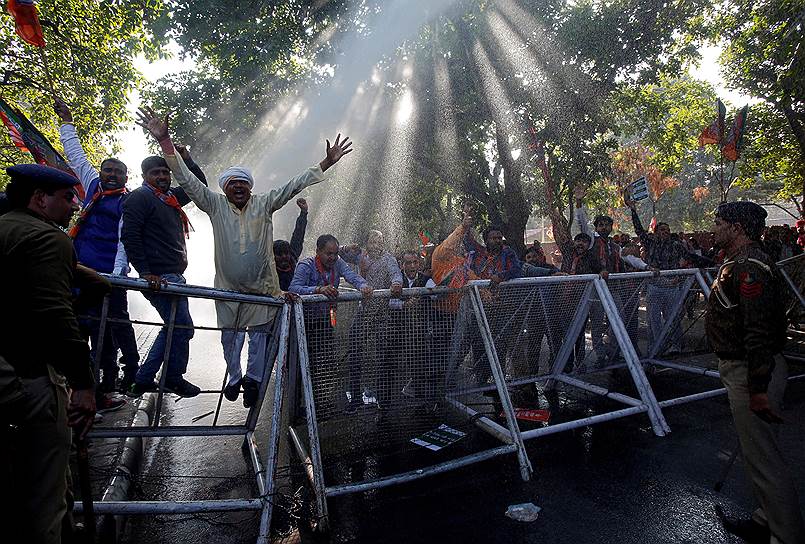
275, 351
539, 327
380, 383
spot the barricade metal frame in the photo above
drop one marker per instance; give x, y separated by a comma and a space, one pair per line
646, 403
276, 351
510, 434
787, 277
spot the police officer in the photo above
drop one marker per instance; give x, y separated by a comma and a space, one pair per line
41, 354
746, 326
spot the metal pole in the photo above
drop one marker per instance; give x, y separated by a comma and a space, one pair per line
165, 360
658, 422
500, 380
139, 508
276, 420
319, 487
598, 390
96, 363
703, 284
576, 326
378, 483
793, 287
583, 422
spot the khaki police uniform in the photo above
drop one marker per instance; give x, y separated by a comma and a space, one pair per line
41, 351
746, 327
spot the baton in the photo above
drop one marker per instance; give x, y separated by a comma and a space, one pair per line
726, 470
82, 456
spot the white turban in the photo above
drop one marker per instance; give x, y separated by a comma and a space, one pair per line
235, 172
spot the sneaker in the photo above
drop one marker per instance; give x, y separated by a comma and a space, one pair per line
232, 392
183, 388
108, 403
137, 389
98, 418
251, 390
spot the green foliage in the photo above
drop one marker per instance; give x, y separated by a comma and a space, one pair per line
250, 55
772, 160
764, 56
90, 49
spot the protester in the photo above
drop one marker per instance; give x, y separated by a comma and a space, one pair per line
286, 255
608, 253
41, 356
662, 253
746, 325
374, 325
242, 228
96, 239
154, 230
321, 275
494, 260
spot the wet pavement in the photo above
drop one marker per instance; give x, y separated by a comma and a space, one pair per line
613, 482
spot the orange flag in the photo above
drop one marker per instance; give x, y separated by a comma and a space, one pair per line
714, 133
26, 20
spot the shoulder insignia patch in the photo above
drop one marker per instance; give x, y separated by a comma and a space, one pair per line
749, 286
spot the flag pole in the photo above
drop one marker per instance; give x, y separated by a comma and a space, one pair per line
41, 51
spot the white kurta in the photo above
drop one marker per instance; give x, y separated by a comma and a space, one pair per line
244, 240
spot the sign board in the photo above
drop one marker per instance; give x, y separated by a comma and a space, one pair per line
438, 438
639, 189
527, 414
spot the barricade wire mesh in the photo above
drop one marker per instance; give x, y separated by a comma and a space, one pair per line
529, 323
381, 376
794, 268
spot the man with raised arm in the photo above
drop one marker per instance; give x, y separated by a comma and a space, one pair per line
662, 253
243, 233
286, 255
96, 239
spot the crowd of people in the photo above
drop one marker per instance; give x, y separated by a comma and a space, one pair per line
54, 280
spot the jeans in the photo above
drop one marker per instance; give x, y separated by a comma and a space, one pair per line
233, 340
180, 343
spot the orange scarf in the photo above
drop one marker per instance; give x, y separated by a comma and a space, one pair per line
82, 217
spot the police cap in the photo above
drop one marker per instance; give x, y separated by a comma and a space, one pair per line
37, 175
751, 216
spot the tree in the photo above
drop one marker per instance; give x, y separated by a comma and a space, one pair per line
511, 66
90, 50
764, 56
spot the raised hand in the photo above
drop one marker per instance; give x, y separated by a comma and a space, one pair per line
150, 121
579, 192
61, 109
302, 203
336, 151
182, 151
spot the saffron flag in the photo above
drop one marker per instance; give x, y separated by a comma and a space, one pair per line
653, 225
424, 237
26, 20
733, 142
28, 139
714, 133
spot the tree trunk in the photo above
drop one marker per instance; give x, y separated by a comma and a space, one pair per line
796, 124
514, 207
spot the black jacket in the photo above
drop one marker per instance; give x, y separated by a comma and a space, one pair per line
746, 314
38, 326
